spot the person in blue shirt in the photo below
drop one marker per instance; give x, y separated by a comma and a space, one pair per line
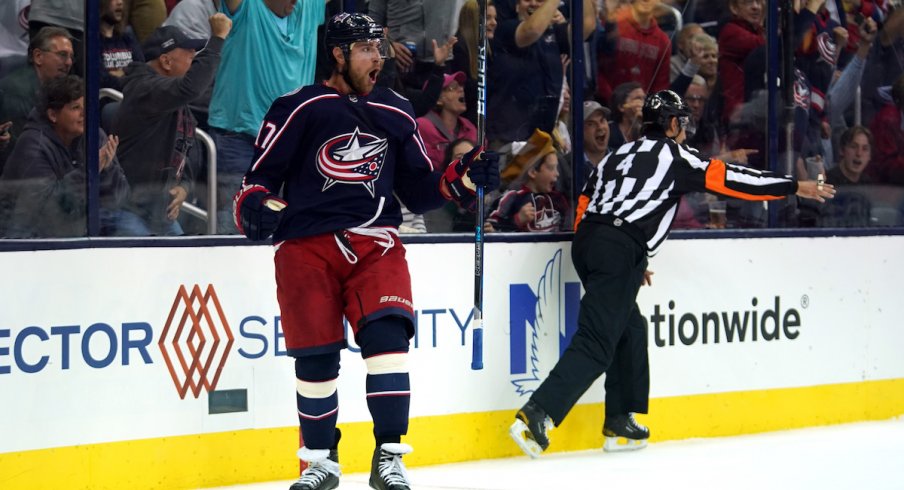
271, 50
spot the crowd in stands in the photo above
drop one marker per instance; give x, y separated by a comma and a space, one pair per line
216, 66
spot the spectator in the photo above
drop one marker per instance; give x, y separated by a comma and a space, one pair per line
144, 16
561, 134
737, 39
118, 47
49, 55
414, 25
272, 50
452, 217
627, 103
888, 167
684, 40
884, 64
703, 132
46, 172
67, 14
856, 153
445, 122
424, 99
534, 204
852, 208
843, 90
596, 135
465, 50
13, 34
190, 16
634, 49
156, 125
526, 74
709, 66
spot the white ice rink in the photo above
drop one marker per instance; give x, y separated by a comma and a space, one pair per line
867, 455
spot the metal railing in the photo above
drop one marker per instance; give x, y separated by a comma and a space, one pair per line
209, 216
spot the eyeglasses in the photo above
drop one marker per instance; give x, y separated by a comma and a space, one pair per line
64, 55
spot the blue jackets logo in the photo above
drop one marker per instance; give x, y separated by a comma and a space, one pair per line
352, 158
549, 309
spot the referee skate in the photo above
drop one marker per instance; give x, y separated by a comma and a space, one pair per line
623, 433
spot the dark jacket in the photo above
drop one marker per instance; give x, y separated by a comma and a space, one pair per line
44, 183
18, 95
155, 125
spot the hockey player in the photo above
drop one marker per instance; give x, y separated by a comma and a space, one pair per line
624, 214
329, 159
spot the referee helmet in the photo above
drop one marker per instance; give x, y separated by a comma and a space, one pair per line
661, 107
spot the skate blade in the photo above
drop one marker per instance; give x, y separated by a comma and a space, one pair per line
520, 434
619, 444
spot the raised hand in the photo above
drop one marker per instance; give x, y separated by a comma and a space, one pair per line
220, 25
107, 152
442, 52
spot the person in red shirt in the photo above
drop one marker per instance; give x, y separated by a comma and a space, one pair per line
737, 39
888, 156
634, 49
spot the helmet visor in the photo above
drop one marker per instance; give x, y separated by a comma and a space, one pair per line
368, 48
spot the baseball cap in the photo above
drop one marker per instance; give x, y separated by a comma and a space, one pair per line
448, 78
591, 106
167, 38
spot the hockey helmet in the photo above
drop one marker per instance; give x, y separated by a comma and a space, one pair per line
344, 29
661, 107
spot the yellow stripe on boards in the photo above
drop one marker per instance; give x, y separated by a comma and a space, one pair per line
219, 459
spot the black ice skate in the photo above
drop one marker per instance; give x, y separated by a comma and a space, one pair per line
531, 429
623, 433
323, 471
387, 472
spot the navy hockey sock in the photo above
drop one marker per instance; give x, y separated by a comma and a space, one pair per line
317, 399
388, 398
384, 346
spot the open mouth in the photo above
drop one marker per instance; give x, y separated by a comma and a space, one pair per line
461, 99
373, 76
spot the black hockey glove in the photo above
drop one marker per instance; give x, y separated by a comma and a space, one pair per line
258, 213
462, 176
484, 171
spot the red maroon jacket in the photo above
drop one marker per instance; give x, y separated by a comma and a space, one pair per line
737, 39
634, 54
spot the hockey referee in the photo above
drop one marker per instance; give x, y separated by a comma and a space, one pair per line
623, 215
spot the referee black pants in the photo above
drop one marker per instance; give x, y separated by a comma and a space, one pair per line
612, 334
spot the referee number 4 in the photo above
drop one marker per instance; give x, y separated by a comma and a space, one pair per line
625, 165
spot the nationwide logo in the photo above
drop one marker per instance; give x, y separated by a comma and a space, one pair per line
195, 341
542, 321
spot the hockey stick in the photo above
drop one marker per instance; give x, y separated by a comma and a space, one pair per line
477, 348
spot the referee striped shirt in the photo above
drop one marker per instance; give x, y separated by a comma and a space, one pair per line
642, 182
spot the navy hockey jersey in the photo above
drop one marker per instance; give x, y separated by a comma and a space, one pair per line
337, 160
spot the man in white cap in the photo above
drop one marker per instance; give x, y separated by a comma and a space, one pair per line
596, 134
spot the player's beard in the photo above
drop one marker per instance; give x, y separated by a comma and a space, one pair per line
360, 84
